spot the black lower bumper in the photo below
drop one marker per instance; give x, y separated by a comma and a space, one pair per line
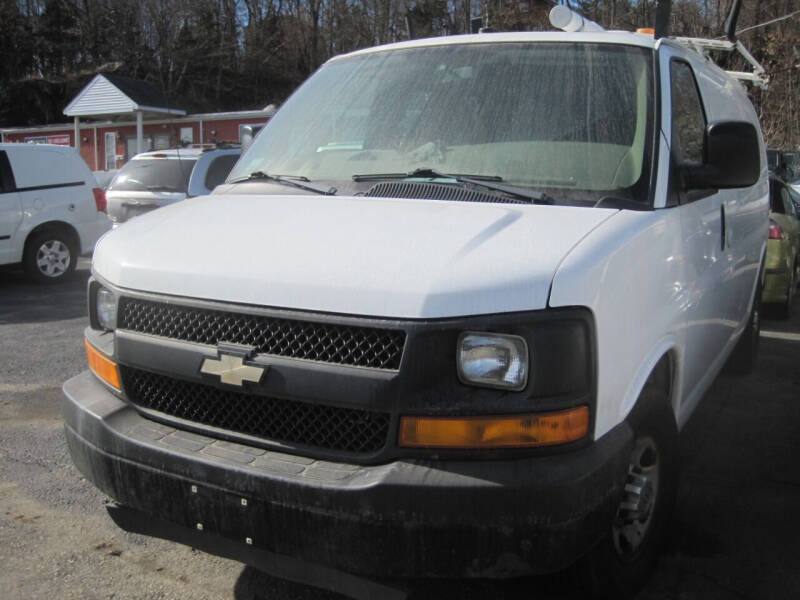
403, 519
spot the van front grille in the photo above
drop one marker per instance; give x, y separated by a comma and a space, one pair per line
272, 419
324, 342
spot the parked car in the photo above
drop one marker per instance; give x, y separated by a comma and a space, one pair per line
794, 195
779, 165
791, 174
103, 178
783, 247
456, 336
51, 210
792, 158
154, 179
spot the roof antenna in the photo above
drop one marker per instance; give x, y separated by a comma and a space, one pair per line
732, 20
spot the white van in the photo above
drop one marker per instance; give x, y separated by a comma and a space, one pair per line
51, 210
445, 319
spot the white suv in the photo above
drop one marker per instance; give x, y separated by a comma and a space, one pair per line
154, 179
51, 209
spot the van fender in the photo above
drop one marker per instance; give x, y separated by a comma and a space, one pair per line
42, 224
666, 346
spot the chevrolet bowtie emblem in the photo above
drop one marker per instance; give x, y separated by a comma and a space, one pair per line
232, 370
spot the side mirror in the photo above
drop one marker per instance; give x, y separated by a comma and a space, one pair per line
732, 158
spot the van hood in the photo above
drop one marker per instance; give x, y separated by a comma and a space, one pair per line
378, 257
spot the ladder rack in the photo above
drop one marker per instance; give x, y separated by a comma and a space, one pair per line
758, 76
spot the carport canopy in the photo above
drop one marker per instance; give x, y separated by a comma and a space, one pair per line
112, 96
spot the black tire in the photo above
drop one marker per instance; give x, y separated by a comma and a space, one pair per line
796, 272
618, 568
744, 358
50, 256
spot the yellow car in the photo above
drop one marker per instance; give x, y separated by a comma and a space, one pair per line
783, 245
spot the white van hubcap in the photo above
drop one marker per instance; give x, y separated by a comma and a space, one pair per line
53, 258
635, 511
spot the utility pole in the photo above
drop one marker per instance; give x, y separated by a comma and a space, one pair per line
663, 10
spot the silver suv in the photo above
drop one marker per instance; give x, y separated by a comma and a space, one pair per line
154, 179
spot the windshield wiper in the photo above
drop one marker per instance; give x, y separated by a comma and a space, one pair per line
429, 173
484, 181
297, 181
163, 188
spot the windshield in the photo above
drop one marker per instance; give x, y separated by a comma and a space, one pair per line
153, 174
571, 117
792, 166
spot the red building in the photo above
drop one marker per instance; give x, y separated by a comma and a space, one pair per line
128, 117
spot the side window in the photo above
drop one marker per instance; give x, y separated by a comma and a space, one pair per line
775, 200
218, 170
6, 175
787, 202
795, 198
688, 119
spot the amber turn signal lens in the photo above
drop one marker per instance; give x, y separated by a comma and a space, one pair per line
105, 368
649, 30
518, 431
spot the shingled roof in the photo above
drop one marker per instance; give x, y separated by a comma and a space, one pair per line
141, 92
108, 95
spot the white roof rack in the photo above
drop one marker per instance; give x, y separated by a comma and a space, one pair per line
563, 17
757, 77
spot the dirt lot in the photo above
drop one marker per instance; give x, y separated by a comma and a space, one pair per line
735, 532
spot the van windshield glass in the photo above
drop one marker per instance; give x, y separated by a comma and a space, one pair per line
575, 118
153, 174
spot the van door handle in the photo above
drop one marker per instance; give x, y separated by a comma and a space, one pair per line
723, 229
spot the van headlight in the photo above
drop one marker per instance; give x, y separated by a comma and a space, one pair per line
493, 360
106, 303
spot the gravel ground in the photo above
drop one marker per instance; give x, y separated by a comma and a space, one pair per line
734, 534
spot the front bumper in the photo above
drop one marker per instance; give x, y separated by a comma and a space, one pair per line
406, 518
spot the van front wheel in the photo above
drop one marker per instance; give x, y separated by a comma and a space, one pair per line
623, 561
50, 257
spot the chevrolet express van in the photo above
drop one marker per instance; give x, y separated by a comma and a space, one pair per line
445, 319
51, 209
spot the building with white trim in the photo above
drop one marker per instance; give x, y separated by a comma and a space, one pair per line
115, 118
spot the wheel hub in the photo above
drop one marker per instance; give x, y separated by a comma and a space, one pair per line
635, 511
645, 504
53, 258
